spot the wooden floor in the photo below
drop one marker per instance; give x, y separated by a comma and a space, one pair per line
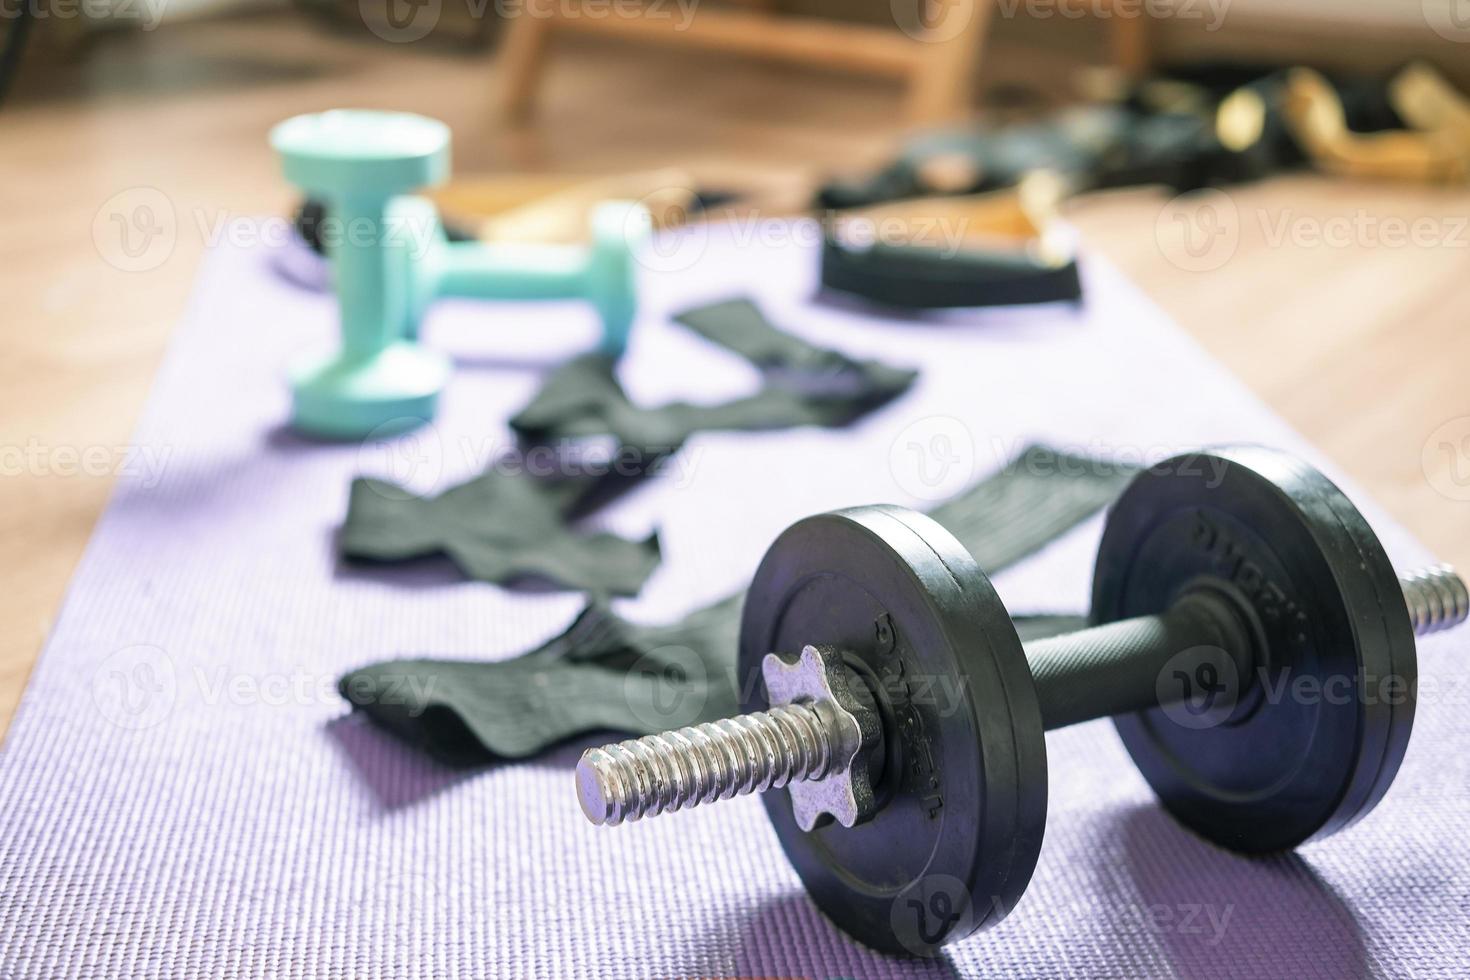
1360, 342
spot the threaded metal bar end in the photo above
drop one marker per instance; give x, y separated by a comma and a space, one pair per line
1437, 598
714, 761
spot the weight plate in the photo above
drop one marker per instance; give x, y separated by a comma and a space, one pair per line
962, 796
1323, 722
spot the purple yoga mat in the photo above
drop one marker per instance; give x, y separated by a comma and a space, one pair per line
183, 794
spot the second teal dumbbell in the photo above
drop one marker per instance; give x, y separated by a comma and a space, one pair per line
391, 259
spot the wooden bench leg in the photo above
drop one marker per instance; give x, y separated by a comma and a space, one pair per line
940, 60
1128, 36
944, 68
523, 56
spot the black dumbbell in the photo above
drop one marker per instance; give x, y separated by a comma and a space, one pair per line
1252, 644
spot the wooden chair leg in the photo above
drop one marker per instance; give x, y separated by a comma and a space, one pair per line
945, 64
1128, 36
523, 56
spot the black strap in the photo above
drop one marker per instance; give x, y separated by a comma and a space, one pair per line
803, 385
923, 278
513, 521
498, 527
606, 674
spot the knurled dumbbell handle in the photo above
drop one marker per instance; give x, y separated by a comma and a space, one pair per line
1116, 668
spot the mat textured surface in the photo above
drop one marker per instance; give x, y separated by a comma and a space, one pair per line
184, 794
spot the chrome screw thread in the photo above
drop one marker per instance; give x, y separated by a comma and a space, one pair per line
714, 761
1437, 598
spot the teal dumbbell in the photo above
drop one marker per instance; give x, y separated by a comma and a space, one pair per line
391, 259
